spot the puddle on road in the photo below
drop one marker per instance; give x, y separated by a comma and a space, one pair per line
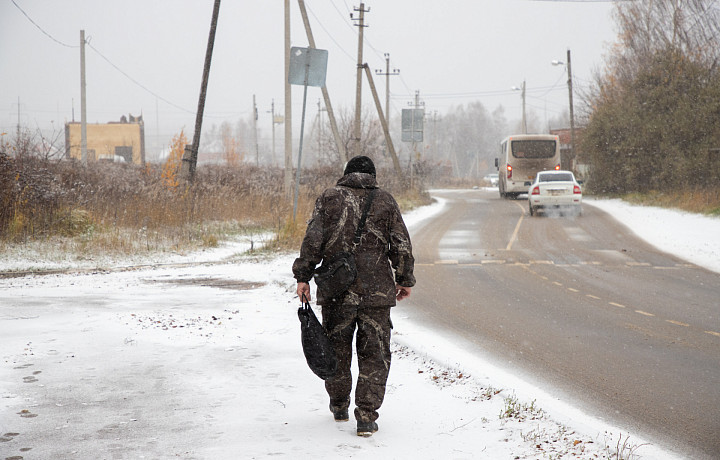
239, 285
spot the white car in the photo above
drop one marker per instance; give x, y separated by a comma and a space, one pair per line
555, 189
492, 179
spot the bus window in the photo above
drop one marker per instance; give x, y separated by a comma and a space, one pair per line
533, 149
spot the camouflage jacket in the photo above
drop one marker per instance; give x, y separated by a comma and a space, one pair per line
385, 241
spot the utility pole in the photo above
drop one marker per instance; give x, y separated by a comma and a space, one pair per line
358, 88
83, 103
418, 104
156, 144
274, 122
321, 109
572, 117
326, 96
190, 155
524, 119
387, 75
18, 123
434, 134
288, 107
255, 118
383, 122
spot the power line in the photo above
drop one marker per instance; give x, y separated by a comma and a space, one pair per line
329, 34
41, 29
87, 42
136, 82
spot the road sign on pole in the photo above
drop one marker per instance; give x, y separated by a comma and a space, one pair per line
308, 67
307, 63
412, 125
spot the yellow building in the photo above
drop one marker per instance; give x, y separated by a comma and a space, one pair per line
109, 141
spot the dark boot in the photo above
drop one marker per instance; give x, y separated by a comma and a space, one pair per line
340, 414
366, 429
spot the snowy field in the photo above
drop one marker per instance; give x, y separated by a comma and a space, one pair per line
203, 361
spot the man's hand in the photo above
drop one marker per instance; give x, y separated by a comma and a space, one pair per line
402, 292
303, 289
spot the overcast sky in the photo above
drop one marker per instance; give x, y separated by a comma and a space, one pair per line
452, 52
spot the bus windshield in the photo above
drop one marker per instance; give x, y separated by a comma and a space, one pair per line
533, 148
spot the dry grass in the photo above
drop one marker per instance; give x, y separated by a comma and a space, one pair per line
691, 200
108, 208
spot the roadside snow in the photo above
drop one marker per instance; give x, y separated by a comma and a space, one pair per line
204, 361
692, 237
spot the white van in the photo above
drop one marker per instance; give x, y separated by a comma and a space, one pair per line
521, 157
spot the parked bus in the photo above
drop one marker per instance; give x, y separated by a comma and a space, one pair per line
521, 157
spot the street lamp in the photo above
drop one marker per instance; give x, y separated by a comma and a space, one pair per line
524, 120
570, 97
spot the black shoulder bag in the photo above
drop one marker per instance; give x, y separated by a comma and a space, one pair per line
318, 349
336, 274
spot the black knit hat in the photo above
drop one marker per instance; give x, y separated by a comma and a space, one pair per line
361, 164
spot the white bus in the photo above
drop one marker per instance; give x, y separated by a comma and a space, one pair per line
521, 157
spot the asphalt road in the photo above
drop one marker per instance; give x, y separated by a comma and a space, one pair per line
630, 333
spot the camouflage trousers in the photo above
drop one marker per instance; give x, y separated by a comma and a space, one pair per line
373, 327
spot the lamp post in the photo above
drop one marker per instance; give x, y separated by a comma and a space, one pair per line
570, 97
524, 119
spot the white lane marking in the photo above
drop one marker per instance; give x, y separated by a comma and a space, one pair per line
517, 229
616, 305
644, 313
677, 323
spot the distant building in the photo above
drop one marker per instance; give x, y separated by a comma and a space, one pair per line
114, 141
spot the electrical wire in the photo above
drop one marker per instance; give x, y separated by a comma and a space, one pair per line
330, 35
87, 42
41, 29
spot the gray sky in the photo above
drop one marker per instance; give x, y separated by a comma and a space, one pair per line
453, 52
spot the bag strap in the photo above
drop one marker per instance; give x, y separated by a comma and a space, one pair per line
363, 218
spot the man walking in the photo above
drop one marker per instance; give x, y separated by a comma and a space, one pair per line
364, 309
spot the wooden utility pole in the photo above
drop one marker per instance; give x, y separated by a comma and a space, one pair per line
255, 118
524, 119
387, 75
358, 88
288, 107
572, 117
326, 96
272, 112
83, 104
383, 122
190, 156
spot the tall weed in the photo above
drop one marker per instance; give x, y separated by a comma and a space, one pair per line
116, 207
